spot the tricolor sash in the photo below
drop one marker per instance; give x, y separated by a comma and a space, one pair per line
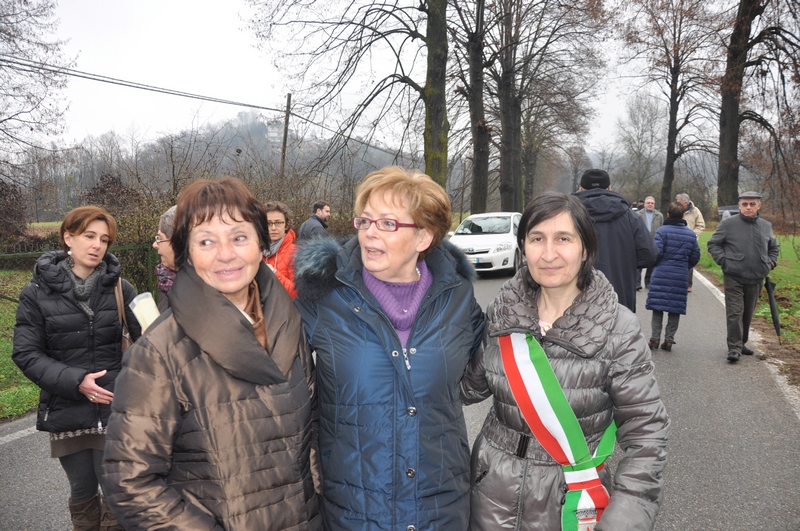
552, 421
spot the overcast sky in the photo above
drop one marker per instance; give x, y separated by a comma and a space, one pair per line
196, 46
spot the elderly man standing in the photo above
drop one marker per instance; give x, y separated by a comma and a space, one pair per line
746, 250
653, 219
694, 220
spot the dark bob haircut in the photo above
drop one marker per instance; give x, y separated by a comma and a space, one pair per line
675, 210
77, 220
551, 204
203, 199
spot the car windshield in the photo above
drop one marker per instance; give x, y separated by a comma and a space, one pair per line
487, 225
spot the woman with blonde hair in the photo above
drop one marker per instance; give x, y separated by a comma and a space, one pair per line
67, 340
393, 320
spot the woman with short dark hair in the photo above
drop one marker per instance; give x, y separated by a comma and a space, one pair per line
67, 341
280, 255
570, 373
213, 424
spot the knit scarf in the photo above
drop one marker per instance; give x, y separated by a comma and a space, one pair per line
400, 300
82, 288
274, 246
166, 277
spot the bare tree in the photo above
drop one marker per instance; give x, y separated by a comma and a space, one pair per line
369, 51
542, 59
641, 137
676, 39
30, 101
763, 56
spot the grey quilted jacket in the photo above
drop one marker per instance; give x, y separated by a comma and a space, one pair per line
602, 361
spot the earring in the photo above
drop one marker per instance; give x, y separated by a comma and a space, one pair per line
69, 253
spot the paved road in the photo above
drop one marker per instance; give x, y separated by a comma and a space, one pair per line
734, 461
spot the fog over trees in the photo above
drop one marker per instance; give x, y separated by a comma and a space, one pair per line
493, 100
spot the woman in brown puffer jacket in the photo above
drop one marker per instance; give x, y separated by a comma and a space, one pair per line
601, 362
213, 423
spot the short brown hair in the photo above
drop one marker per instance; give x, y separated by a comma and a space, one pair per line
203, 199
675, 210
426, 201
77, 219
277, 206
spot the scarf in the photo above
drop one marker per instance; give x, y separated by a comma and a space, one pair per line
166, 277
274, 246
82, 288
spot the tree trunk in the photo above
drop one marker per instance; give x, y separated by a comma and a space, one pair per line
480, 131
437, 126
731, 92
672, 139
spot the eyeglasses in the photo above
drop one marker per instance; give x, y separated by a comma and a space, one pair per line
748, 203
386, 225
158, 241
276, 223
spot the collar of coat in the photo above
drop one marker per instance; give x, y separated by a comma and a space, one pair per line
584, 327
223, 332
47, 272
320, 263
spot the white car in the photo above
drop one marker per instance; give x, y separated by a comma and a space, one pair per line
490, 241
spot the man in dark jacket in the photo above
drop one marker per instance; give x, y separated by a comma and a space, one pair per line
653, 219
315, 226
746, 250
624, 242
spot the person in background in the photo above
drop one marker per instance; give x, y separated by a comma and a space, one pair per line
653, 219
280, 255
746, 250
677, 250
166, 270
393, 319
570, 373
694, 220
317, 225
67, 341
624, 242
213, 424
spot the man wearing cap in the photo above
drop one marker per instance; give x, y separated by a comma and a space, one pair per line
746, 250
624, 243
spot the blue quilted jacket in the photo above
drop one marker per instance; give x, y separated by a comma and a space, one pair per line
393, 439
677, 252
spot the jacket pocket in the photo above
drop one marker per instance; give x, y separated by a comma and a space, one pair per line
46, 402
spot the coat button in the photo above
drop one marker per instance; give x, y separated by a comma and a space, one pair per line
395, 353
412, 351
412, 412
411, 528
411, 472
357, 309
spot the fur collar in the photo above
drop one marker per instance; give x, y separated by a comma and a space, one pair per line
317, 261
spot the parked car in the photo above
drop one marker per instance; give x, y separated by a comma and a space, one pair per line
490, 241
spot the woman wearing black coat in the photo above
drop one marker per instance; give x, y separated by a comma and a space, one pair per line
67, 341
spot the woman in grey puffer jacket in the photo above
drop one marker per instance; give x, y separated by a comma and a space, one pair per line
596, 351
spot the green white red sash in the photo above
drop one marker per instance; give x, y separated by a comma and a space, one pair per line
552, 421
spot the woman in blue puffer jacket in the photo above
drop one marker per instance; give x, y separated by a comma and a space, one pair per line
393, 320
678, 251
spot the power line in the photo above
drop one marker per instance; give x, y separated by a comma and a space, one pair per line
26, 65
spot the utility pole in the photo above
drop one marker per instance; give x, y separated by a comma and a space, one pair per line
285, 133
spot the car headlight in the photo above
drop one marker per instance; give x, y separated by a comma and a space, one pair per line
505, 246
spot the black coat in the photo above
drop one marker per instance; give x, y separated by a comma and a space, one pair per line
56, 344
623, 241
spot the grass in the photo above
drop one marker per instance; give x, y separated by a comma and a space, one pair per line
787, 290
18, 395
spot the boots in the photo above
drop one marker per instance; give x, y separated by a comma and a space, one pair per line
85, 515
108, 522
667, 345
653, 343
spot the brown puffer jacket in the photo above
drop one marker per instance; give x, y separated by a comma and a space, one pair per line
602, 361
208, 429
